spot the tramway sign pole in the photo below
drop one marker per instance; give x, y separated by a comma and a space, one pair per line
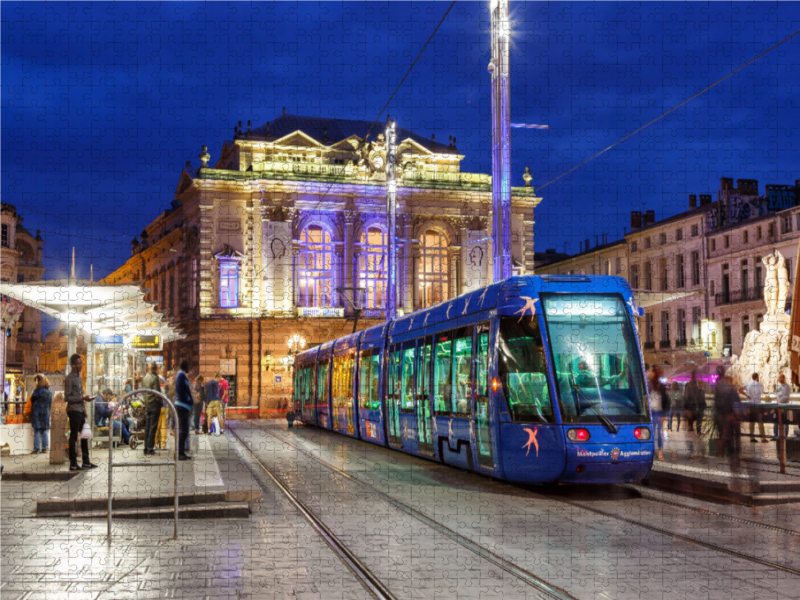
391, 217
501, 141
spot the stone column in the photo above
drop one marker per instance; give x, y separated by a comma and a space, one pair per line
406, 300
347, 257
455, 251
295, 278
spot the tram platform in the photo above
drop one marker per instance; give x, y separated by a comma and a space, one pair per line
214, 484
756, 481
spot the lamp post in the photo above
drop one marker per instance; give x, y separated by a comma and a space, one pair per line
296, 344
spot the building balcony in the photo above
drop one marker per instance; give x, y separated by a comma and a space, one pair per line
681, 343
665, 344
738, 296
649, 345
28, 337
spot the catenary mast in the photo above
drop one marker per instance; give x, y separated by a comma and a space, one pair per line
391, 216
501, 140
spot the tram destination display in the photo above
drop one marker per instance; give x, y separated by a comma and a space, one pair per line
146, 342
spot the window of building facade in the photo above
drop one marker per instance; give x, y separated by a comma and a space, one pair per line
758, 281
634, 246
193, 284
648, 276
745, 326
664, 275
228, 284
4, 240
679, 234
712, 244
695, 268
635, 276
663, 238
786, 224
695, 230
646, 243
696, 324
727, 241
711, 287
681, 327
745, 236
745, 278
726, 335
648, 329
315, 265
680, 271
797, 221
372, 267
434, 268
771, 230
665, 327
20, 278
618, 266
758, 232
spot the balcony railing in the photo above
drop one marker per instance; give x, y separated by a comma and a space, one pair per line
649, 345
737, 296
663, 344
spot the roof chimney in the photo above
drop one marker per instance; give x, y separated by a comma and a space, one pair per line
692, 200
587, 244
649, 217
705, 199
636, 219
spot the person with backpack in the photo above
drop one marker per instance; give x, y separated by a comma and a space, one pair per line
694, 405
41, 399
183, 405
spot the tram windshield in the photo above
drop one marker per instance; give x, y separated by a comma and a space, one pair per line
595, 359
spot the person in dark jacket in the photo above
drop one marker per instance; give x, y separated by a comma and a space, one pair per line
183, 404
152, 406
41, 399
694, 405
199, 401
76, 412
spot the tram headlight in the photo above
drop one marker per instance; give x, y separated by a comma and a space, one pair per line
578, 435
642, 433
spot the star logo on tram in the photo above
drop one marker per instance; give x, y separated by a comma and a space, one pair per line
530, 304
466, 306
531, 440
483, 295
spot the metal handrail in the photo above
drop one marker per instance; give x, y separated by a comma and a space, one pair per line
143, 463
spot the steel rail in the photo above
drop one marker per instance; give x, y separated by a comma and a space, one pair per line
527, 577
681, 537
370, 581
706, 511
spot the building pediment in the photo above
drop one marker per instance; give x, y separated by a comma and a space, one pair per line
298, 138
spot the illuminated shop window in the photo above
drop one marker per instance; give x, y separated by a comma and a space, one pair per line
372, 267
315, 264
434, 268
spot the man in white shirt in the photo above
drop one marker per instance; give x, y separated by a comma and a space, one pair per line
754, 391
782, 392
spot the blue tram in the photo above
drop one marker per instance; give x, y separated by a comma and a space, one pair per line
534, 379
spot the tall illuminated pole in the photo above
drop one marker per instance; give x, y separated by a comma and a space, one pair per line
391, 218
501, 140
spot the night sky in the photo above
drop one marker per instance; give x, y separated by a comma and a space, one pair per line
103, 103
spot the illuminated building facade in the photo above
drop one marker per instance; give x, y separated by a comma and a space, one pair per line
273, 238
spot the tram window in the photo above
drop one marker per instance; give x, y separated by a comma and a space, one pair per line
368, 382
443, 373
343, 370
482, 360
392, 366
462, 359
523, 370
322, 383
423, 367
407, 378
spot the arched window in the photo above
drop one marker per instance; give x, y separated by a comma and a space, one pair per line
372, 267
315, 266
434, 268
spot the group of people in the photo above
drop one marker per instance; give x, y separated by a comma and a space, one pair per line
727, 414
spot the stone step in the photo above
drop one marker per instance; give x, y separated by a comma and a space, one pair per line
221, 510
52, 475
59, 507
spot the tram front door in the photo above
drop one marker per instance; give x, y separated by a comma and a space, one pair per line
483, 412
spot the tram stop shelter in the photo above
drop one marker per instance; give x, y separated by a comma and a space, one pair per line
111, 317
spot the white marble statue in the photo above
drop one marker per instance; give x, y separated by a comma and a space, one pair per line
776, 283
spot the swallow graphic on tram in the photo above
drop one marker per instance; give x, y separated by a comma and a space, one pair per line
546, 362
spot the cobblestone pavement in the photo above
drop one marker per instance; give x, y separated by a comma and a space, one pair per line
277, 554
588, 555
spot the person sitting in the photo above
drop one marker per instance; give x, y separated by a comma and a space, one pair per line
103, 410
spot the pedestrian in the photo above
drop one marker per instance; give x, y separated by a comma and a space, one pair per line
726, 400
754, 392
104, 413
76, 412
199, 402
41, 399
676, 404
694, 405
223, 393
169, 391
153, 406
659, 406
214, 407
128, 386
782, 393
183, 405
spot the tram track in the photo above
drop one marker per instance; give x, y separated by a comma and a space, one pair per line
503, 563
544, 587
368, 579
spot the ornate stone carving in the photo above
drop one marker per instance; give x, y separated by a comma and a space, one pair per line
204, 156
274, 213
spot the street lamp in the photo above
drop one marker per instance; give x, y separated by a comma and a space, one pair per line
296, 344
